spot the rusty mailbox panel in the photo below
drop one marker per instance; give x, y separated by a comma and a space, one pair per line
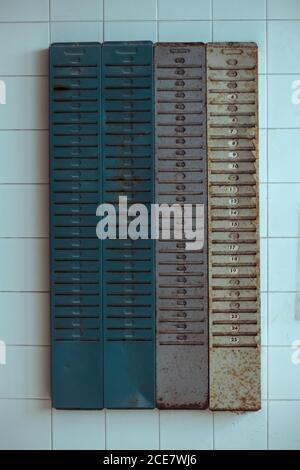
181, 275
128, 265
232, 113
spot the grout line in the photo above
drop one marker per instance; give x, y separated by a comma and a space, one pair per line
105, 411
9, 345
207, 410
282, 182
24, 184
157, 20
47, 129
25, 22
26, 398
146, 20
182, 20
134, 20
22, 130
260, 74
213, 433
47, 238
37, 345
24, 238
49, 22
212, 20
24, 76
159, 430
103, 25
24, 292
268, 238
51, 423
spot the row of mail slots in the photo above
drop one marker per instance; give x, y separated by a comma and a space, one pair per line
144, 323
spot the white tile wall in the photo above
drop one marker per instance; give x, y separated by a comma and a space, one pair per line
284, 375
184, 31
25, 410
130, 30
284, 318
241, 431
281, 33
138, 10
284, 162
239, 10
243, 31
25, 57
79, 31
23, 157
132, 429
284, 425
25, 424
263, 209
190, 430
78, 429
26, 373
283, 264
282, 113
30, 202
36, 10
26, 105
29, 318
187, 10
76, 10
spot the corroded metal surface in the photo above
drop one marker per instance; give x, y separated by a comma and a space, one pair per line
181, 275
232, 110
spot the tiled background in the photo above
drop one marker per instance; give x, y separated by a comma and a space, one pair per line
26, 29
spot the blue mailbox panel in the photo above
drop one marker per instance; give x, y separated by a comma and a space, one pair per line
128, 265
75, 192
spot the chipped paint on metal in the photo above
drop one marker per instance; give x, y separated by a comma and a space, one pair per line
232, 132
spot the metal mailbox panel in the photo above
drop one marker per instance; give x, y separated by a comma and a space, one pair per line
76, 320
128, 265
181, 275
232, 115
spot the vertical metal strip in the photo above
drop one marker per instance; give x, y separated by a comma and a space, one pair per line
75, 274
128, 265
233, 226
181, 274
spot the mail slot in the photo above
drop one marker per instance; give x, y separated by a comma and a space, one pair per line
232, 122
76, 317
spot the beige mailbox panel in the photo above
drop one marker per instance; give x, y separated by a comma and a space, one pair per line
233, 233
